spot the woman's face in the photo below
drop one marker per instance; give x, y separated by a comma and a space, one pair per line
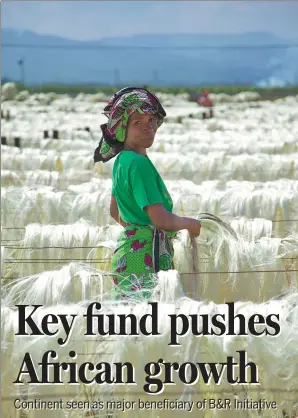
141, 130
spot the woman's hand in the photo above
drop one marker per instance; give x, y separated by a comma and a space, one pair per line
194, 227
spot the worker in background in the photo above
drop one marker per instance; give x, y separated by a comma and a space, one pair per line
205, 101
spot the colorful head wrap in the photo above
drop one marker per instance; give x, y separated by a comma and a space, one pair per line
118, 110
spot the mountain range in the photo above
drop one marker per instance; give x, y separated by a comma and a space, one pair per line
254, 58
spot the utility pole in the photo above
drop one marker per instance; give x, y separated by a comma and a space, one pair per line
21, 63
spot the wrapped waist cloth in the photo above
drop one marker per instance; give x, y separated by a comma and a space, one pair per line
141, 252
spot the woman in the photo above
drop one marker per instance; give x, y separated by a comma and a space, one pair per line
140, 201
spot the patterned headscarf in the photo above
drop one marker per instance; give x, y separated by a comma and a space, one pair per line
118, 110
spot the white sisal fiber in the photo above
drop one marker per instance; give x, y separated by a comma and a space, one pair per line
252, 229
55, 179
70, 284
195, 168
78, 242
232, 269
225, 267
76, 282
276, 204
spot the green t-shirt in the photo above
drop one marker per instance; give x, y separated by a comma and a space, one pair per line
136, 184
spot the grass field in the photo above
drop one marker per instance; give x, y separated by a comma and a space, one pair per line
266, 93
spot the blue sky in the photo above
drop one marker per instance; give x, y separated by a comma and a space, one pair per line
87, 20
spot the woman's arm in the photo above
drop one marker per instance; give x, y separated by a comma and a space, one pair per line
143, 184
162, 219
114, 212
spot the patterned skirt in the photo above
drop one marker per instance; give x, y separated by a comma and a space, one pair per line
141, 252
